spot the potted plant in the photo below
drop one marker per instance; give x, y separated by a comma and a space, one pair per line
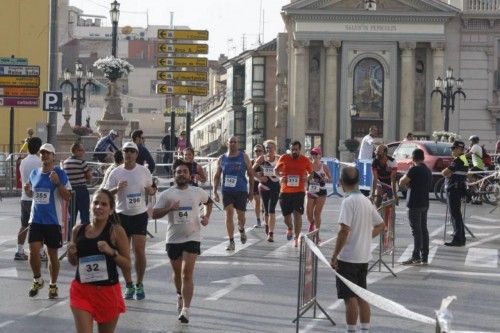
113, 68
351, 144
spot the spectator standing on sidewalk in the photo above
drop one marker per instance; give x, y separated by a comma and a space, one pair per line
168, 150
144, 154
24, 147
181, 142
197, 173
359, 223
28, 164
418, 180
367, 149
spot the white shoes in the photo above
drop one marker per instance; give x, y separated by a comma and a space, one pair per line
184, 316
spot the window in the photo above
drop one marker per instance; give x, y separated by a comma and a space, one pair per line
368, 90
258, 77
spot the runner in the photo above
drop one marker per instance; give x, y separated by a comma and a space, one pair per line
104, 146
258, 151
269, 186
384, 171
316, 190
292, 169
48, 186
181, 202
197, 173
28, 164
132, 182
95, 294
236, 190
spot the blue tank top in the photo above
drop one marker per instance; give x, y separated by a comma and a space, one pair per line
233, 173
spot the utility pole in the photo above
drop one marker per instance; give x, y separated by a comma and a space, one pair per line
52, 121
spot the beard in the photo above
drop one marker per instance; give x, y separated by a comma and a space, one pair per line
181, 181
295, 156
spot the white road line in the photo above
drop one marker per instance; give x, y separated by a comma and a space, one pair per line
9, 272
482, 241
235, 263
481, 257
284, 251
219, 250
461, 273
482, 227
484, 219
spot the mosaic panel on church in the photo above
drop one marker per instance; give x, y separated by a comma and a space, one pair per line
313, 114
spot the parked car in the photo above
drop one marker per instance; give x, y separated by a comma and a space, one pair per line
437, 156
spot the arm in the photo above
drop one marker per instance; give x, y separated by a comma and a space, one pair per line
72, 252
58, 183
377, 229
394, 185
374, 182
341, 240
201, 173
149, 159
112, 144
120, 241
447, 172
159, 212
327, 173
208, 211
404, 181
217, 175
250, 177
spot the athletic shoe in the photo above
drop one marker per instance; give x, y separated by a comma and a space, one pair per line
20, 256
129, 291
296, 242
139, 292
424, 262
43, 256
258, 225
53, 291
184, 316
35, 287
412, 262
270, 237
312, 227
179, 304
289, 234
243, 236
230, 246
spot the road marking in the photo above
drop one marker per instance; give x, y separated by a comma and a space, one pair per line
9, 272
219, 250
461, 273
284, 251
475, 226
235, 263
234, 283
481, 257
482, 241
484, 219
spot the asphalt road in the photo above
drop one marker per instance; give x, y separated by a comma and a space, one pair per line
254, 289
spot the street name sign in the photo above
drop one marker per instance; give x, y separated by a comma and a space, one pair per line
19, 70
20, 81
19, 91
14, 101
183, 48
183, 34
181, 62
181, 90
13, 61
181, 76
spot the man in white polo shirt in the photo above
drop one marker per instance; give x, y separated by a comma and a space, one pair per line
132, 182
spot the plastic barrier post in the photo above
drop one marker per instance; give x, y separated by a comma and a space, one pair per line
334, 166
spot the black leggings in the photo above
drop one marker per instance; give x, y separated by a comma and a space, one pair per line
270, 199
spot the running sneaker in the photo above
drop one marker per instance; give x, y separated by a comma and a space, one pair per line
139, 292
53, 291
20, 256
43, 256
243, 236
184, 316
129, 291
259, 224
35, 287
179, 304
412, 262
270, 237
230, 246
289, 234
312, 227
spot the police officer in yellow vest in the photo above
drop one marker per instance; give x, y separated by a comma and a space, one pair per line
456, 175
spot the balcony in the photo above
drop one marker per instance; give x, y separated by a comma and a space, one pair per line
481, 6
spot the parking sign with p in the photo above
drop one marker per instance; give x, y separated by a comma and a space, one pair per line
52, 101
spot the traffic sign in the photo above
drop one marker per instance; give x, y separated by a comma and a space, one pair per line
183, 34
13, 61
181, 62
183, 48
19, 70
181, 76
181, 90
52, 101
19, 91
20, 81
14, 101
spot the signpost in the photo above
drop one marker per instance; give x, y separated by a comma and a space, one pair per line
183, 34
20, 70
181, 90
181, 62
181, 76
183, 48
19, 91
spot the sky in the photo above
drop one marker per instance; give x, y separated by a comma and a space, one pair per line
229, 22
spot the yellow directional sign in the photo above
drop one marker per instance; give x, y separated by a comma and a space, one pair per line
181, 62
181, 90
20, 91
181, 76
183, 48
20, 81
183, 34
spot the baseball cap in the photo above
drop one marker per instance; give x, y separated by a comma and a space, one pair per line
458, 144
48, 147
316, 150
129, 145
113, 132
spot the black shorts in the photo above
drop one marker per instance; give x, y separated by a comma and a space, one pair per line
174, 250
25, 212
237, 199
355, 273
292, 202
134, 224
49, 234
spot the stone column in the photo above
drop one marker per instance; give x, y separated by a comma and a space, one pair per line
437, 121
112, 117
331, 111
300, 84
407, 106
65, 137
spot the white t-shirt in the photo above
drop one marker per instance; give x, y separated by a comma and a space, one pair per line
366, 148
28, 164
358, 213
184, 222
132, 199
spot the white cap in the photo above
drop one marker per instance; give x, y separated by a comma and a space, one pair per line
113, 132
48, 147
130, 144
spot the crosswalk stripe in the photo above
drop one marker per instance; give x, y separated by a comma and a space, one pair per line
482, 257
219, 250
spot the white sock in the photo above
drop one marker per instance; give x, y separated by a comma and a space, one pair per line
365, 327
20, 248
351, 329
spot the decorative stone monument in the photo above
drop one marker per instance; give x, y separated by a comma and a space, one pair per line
65, 137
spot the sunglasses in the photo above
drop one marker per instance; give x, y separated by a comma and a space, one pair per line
129, 150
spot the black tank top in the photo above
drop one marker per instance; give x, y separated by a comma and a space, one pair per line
88, 247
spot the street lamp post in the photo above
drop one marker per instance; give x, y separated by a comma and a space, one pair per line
78, 91
115, 15
448, 95
353, 112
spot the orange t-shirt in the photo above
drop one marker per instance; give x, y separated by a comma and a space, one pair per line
294, 172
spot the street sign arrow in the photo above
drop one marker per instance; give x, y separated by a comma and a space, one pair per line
20, 81
183, 34
19, 91
183, 48
181, 90
19, 70
181, 62
181, 76
234, 283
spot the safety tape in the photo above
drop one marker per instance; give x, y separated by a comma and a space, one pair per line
370, 297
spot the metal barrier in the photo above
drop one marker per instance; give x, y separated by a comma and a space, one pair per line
365, 174
333, 165
387, 238
308, 281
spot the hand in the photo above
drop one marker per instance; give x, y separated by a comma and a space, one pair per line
216, 197
72, 249
122, 184
334, 262
104, 247
250, 197
174, 205
204, 220
396, 200
264, 179
27, 187
54, 178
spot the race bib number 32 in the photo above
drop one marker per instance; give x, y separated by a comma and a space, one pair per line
41, 196
93, 268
